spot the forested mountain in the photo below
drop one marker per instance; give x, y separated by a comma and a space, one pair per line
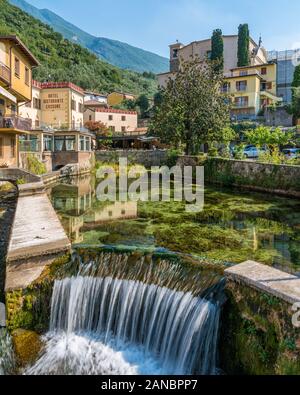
115, 52
62, 60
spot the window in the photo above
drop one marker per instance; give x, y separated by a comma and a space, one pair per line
36, 103
81, 107
175, 53
243, 73
64, 143
112, 128
208, 54
90, 117
48, 143
87, 144
17, 67
1, 147
73, 105
123, 212
263, 70
123, 129
37, 123
110, 117
269, 85
123, 118
226, 87
241, 101
241, 86
82, 143
13, 108
27, 78
12, 147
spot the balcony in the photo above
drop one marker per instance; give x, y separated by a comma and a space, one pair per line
61, 127
15, 123
4, 73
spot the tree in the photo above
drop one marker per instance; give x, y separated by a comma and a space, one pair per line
295, 105
99, 128
193, 110
265, 136
158, 98
243, 45
143, 103
217, 49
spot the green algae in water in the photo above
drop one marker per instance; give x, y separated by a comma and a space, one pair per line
233, 227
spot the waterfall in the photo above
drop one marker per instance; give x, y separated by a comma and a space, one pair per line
7, 361
113, 326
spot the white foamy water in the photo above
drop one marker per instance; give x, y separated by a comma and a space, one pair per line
109, 326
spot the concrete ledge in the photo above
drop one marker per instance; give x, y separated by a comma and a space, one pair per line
37, 230
267, 279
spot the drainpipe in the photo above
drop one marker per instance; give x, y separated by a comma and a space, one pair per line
2, 316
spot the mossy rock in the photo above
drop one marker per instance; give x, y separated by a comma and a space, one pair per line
27, 345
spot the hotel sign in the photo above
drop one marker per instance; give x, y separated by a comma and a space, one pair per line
54, 101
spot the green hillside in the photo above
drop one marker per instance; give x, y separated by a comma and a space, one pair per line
115, 52
62, 60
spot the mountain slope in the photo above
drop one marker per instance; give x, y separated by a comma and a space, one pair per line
62, 60
115, 52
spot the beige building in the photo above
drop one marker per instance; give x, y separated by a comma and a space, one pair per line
119, 121
116, 98
251, 88
55, 105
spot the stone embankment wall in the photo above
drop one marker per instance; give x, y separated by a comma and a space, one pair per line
263, 177
260, 323
145, 158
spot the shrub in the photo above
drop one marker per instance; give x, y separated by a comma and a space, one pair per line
34, 166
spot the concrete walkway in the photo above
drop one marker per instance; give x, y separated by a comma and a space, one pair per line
267, 279
37, 230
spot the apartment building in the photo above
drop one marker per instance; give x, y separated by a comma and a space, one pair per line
251, 88
118, 121
16, 64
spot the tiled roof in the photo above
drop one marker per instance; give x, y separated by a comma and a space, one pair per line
57, 85
115, 111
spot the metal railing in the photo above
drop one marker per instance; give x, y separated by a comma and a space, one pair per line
4, 72
56, 127
15, 122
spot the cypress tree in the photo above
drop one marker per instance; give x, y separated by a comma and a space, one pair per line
243, 45
295, 107
217, 49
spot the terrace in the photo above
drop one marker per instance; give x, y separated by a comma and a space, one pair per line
15, 123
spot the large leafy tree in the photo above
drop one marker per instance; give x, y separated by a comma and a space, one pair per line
243, 45
217, 49
295, 106
143, 103
193, 110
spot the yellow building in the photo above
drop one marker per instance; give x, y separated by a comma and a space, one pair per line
116, 98
251, 88
16, 64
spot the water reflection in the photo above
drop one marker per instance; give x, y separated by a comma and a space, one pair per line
233, 227
80, 212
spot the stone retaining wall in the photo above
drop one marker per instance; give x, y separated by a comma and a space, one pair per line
141, 157
263, 177
260, 332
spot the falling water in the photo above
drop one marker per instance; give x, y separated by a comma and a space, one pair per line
7, 361
120, 317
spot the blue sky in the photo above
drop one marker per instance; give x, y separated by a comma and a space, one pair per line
154, 24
